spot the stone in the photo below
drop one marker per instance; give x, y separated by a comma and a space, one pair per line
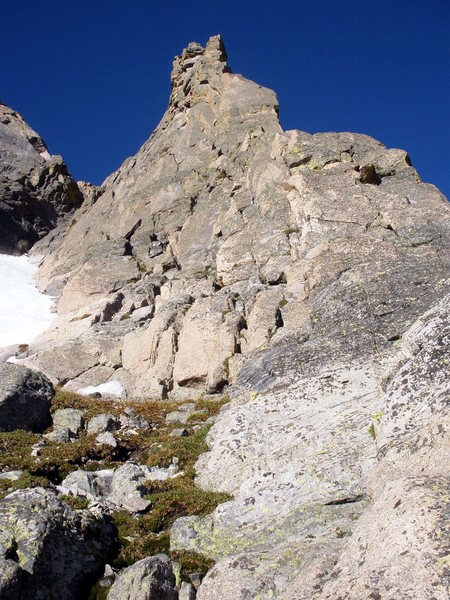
179, 432
11, 475
36, 448
102, 423
186, 591
68, 418
25, 398
87, 484
148, 579
133, 423
107, 438
351, 478
196, 579
122, 488
61, 435
36, 527
128, 488
162, 473
183, 414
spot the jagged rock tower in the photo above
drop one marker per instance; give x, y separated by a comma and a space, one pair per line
304, 274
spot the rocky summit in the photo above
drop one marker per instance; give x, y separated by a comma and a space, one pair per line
300, 279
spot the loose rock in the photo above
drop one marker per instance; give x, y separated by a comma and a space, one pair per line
148, 579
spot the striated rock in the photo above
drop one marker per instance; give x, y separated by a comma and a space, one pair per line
148, 579
36, 527
36, 190
25, 398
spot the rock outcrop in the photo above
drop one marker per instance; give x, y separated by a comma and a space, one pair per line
48, 550
25, 398
306, 276
36, 190
148, 579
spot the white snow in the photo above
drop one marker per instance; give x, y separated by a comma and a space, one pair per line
112, 387
24, 311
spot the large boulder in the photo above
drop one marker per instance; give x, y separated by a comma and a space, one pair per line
36, 190
47, 549
25, 398
149, 579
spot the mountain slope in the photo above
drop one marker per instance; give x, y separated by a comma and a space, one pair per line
306, 276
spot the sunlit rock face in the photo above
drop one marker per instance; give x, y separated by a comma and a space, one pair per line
306, 276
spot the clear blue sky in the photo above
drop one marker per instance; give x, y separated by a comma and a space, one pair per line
93, 77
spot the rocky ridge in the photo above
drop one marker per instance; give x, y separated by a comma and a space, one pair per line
307, 275
36, 190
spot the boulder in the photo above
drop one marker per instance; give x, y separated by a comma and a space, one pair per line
68, 419
47, 549
149, 579
25, 398
123, 488
102, 423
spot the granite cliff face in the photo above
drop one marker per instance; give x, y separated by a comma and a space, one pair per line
307, 277
36, 190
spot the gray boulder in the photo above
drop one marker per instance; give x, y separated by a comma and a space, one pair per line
47, 549
25, 398
124, 488
102, 423
128, 488
148, 579
68, 418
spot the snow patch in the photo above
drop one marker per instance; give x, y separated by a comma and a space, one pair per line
24, 311
112, 387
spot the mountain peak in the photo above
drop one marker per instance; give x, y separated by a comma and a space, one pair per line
195, 68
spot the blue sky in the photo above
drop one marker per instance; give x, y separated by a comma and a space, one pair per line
93, 78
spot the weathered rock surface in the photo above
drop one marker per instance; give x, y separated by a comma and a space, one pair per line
306, 275
25, 398
148, 579
48, 550
340, 485
36, 190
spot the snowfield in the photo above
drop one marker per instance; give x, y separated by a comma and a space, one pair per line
24, 311
112, 387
